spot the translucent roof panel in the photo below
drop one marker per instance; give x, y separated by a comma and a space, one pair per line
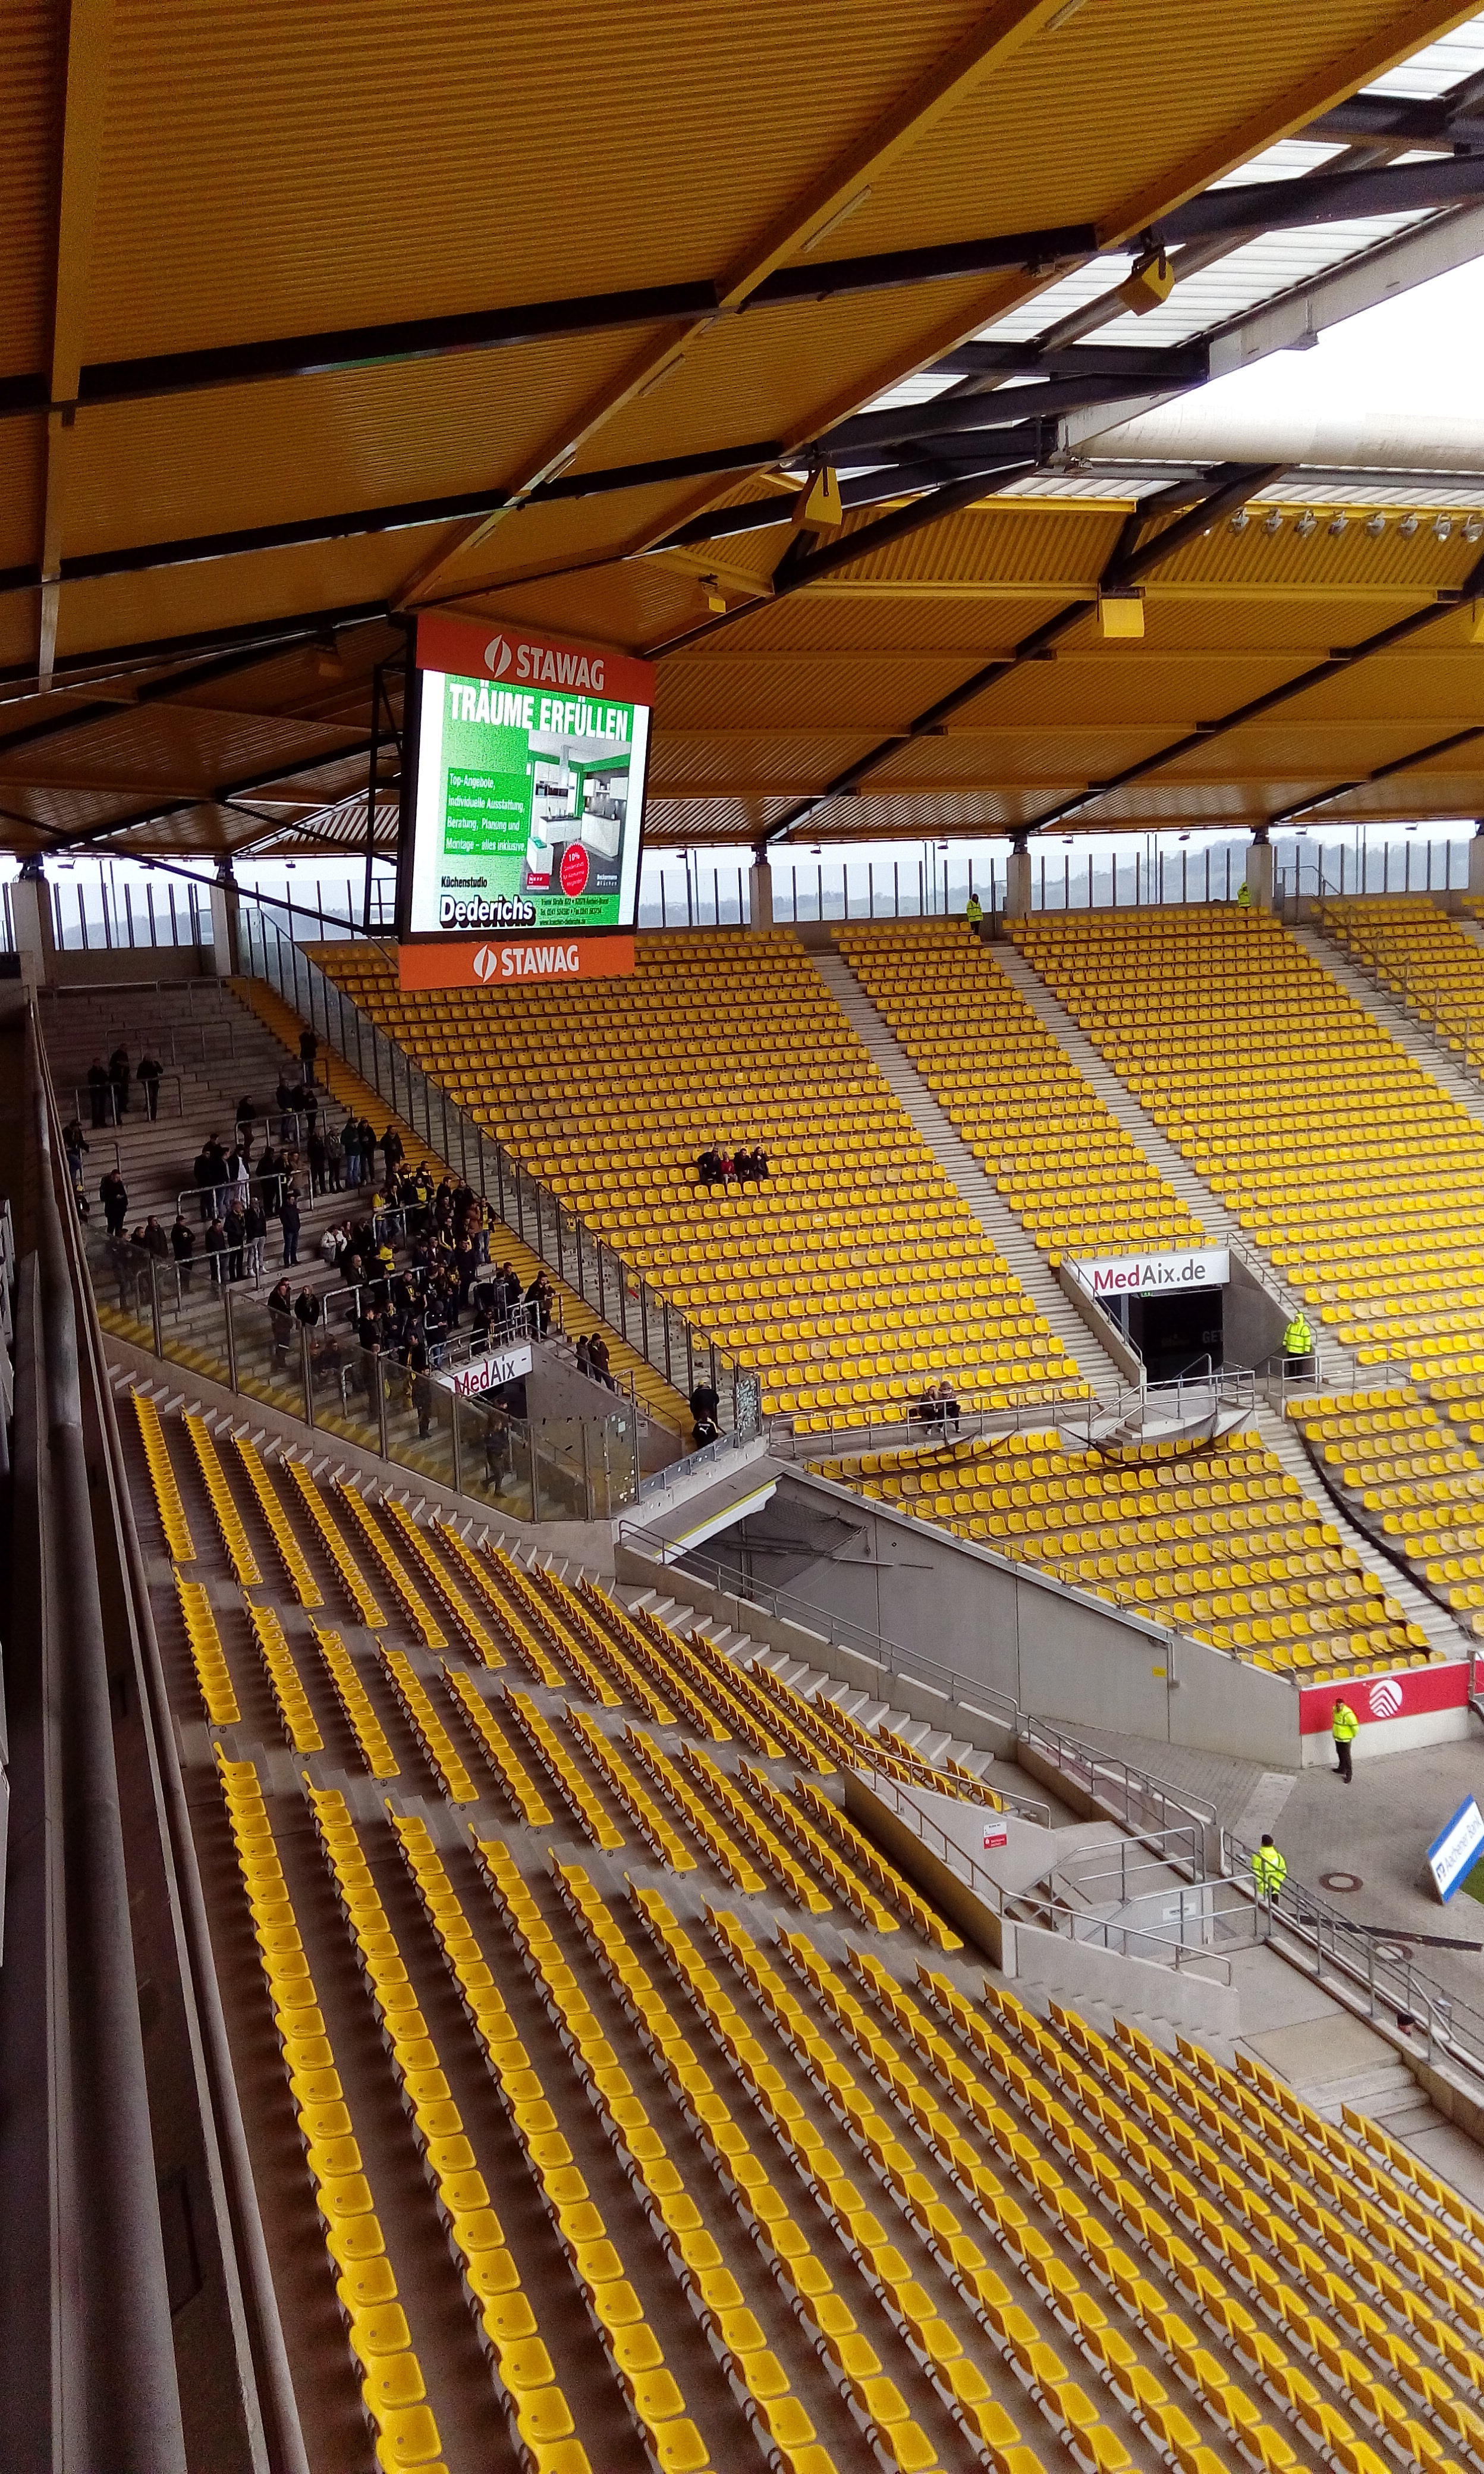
1438, 66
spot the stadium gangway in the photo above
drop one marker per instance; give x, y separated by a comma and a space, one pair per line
619, 1294
122, 2116
1363, 1966
1458, 1039
878, 1426
1048, 1911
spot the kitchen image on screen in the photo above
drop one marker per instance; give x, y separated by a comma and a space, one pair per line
527, 808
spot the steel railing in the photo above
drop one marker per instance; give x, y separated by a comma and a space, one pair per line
621, 1297
1374, 1965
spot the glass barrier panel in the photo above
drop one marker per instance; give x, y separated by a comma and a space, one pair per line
495, 1459
193, 1319
419, 1422
122, 1287
560, 1474
346, 1383
268, 1353
612, 1474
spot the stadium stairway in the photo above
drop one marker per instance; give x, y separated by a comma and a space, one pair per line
1393, 1016
958, 1162
1443, 1633
575, 1317
1334, 1362
934, 1744
225, 1054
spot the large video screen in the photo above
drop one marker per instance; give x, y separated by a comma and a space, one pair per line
529, 790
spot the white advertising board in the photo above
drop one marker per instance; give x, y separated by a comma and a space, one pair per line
1149, 1275
486, 1373
1456, 1850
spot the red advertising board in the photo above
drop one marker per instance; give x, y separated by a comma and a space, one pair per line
495, 648
496, 962
1376, 1699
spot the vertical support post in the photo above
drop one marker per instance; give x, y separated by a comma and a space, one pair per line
373, 765
759, 888
1017, 887
1259, 869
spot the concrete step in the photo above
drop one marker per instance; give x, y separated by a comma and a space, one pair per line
1004, 1232
1392, 1014
1436, 1622
1219, 1223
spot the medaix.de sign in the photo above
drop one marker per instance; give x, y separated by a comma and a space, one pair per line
486, 1373
1128, 1276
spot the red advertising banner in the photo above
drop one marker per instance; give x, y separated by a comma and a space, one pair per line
1378, 1698
489, 962
492, 648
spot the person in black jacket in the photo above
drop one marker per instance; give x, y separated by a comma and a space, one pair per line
281, 1318
98, 1092
308, 1051
288, 1221
235, 1229
119, 1078
217, 1254
147, 1074
113, 1195
183, 1246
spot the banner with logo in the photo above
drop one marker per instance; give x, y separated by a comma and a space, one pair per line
1151, 1275
528, 795
488, 1373
488, 963
1378, 1699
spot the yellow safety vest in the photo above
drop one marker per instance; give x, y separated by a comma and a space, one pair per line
1244, 895
1269, 1869
974, 911
1347, 1726
1297, 1338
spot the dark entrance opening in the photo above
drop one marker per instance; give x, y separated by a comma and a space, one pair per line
1176, 1330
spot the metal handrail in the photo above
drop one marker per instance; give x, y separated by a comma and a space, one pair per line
1143, 1802
1047, 1914
83, 1094
872, 1647
1365, 1962
657, 1330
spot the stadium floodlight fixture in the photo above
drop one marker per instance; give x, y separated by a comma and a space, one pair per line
1307, 523
1441, 526
1339, 524
1274, 523
1474, 527
1240, 521
1407, 526
1376, 527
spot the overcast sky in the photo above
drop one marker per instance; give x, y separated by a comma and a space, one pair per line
1421, 352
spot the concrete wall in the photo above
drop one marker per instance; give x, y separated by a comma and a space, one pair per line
1105, 1331
555, 1388
1252, 1321
1058, 1653
980, 1726
1073, 1971
129, 966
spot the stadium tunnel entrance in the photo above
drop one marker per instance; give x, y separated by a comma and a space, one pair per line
1173, 1330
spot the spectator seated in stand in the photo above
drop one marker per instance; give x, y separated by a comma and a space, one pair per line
752, 1166
708, 1165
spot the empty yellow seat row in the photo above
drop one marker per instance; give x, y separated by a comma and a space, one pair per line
362, 1597
360, 1711
208, 1655
295, 1710
562, 1770
495, 1745
702, 1825
301, 1580
164, 1482
391, 2385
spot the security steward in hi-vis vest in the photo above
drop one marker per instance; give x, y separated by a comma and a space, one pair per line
1297, 1340
1269, 1869
1344, 1726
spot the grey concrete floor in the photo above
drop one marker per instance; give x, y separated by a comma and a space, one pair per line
1378, 1829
